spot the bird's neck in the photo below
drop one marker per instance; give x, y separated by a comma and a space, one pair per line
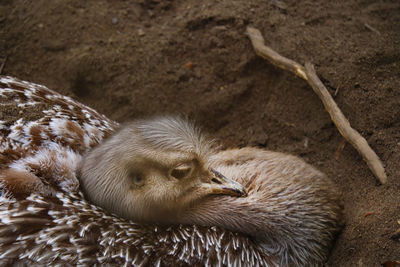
235, 214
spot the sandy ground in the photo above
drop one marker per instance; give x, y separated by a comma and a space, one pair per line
129, 59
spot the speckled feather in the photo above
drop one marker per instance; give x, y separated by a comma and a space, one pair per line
43, 135
44, 216
67, 230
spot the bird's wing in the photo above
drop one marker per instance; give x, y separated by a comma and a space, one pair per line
42, 137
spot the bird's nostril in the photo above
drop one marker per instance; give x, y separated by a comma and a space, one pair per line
214, 180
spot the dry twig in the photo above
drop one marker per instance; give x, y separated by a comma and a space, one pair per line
369, 27
340, 149
2, 65
308, 73
337, 90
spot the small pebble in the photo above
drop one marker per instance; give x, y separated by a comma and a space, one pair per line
141, 32
305, 142
114, 20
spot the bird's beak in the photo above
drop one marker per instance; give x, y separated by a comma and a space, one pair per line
220, 185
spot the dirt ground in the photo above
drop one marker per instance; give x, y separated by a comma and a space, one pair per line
129, 59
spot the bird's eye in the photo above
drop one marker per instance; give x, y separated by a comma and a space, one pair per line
181, 171
137, 179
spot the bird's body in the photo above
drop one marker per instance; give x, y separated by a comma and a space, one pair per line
43, 135
66, 230
289, 216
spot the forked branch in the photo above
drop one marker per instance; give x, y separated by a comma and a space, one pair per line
308, 73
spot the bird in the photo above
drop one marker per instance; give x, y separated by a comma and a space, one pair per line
77, 188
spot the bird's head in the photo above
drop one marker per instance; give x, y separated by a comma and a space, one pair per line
152, 170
